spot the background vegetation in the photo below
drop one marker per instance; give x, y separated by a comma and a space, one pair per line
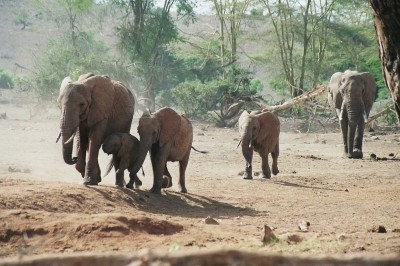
303, 44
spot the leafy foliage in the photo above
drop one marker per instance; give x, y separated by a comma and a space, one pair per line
61, 59
6, 80
197, 99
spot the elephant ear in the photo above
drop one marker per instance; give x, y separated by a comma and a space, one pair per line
242, 116
125, 150
369, 91
64, 84
101, 94
85, 76
170, 122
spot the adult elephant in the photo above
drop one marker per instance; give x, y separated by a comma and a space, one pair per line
352, 95
168, 136
259, 131
91, 109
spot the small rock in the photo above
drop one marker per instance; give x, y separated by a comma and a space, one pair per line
268, 235
373, 156
375, 138
303, 226
241, 173
256, 173
294, 172
294, 239
342, 237
200, 134
210, 220
346, 190
323, 141
391, 154
377, 229
396, 230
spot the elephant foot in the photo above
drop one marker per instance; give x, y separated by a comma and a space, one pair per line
119, 184
275, 171
155, 190
266, 176
166, 181
357, 154
247, 176
183, 190
129, 185
90, 181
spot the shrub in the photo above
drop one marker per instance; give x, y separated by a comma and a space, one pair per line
6, 80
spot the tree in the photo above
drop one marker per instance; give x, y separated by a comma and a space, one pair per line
300, 25
387, 27
145, 31
230, 14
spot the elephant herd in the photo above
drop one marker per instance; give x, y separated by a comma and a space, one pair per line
97, 112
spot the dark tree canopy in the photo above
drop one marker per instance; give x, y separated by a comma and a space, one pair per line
387, 26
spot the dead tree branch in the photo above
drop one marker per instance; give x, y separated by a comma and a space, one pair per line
299, 99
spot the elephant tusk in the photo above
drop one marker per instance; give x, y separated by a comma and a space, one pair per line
58, 138
240, 141
365, 116
72, 137
341, 115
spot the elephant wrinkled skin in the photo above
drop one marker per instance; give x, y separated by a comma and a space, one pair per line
351, 94
259, 131
91, 109
168, 136
124, 147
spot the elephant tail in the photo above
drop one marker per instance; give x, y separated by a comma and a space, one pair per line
198, 150
109, 167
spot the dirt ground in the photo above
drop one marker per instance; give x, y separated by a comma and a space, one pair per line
44, 208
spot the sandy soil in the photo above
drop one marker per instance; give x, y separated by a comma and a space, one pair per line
45, 209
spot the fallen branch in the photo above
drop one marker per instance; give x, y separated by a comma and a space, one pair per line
299, 99
381, 113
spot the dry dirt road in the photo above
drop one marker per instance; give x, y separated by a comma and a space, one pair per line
44, 209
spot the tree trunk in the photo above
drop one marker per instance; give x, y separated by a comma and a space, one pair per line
387, 27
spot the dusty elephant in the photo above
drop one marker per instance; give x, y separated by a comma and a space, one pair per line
168, 136
351, 94
259, 131
91, 109
124, 147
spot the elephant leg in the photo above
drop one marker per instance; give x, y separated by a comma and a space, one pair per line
93, 174
275, 155
265, 167
344, 127
133, 180
357, 151
248, 171
182, 174
158, 161
167, 178
81, 160
119, 178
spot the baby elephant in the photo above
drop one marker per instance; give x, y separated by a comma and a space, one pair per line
123, 147
259, 131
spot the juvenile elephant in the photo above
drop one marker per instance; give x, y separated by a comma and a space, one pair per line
168, 136
91, 109
352, 95
124, 147
259, 131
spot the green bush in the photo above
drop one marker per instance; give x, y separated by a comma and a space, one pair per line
197, 99
62, 59
6, 80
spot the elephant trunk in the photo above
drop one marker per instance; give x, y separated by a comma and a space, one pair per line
356, 119
68, 130
144, 147
247, 150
